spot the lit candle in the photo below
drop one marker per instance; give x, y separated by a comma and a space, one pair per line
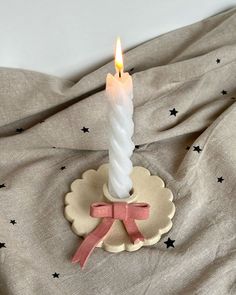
119, 91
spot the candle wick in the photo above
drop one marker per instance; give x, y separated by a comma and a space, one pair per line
119, 74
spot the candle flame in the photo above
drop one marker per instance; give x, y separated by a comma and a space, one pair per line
118, 56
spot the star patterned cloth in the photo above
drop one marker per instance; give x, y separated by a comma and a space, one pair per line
52, 130
220, 179
224, 92
19, 130
84, 129
2, 245
169, 243
197, 148
56, 275
173, 112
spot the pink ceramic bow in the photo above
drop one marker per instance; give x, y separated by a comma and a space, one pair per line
109, 212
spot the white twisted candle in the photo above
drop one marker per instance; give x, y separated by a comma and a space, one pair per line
119, 91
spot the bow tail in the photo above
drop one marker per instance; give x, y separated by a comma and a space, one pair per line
133, 231
90, 242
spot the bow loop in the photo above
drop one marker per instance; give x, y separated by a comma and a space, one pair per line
100, 210
139, 211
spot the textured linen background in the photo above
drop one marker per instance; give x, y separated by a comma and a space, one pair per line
176, 70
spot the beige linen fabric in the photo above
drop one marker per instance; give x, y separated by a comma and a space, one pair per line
176, 70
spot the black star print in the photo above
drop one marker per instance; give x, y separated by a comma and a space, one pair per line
169, 243
2, 245
224, 92
131, 71
55, 275
53, 147
63, 167
19, 130
84, 129
137, 146
220, 179
2, 185
197, 149
188, 148
218, 60
173, 112
13, 222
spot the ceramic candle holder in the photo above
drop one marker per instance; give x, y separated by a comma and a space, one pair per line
147, 188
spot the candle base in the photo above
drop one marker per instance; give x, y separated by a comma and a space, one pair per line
92, 187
